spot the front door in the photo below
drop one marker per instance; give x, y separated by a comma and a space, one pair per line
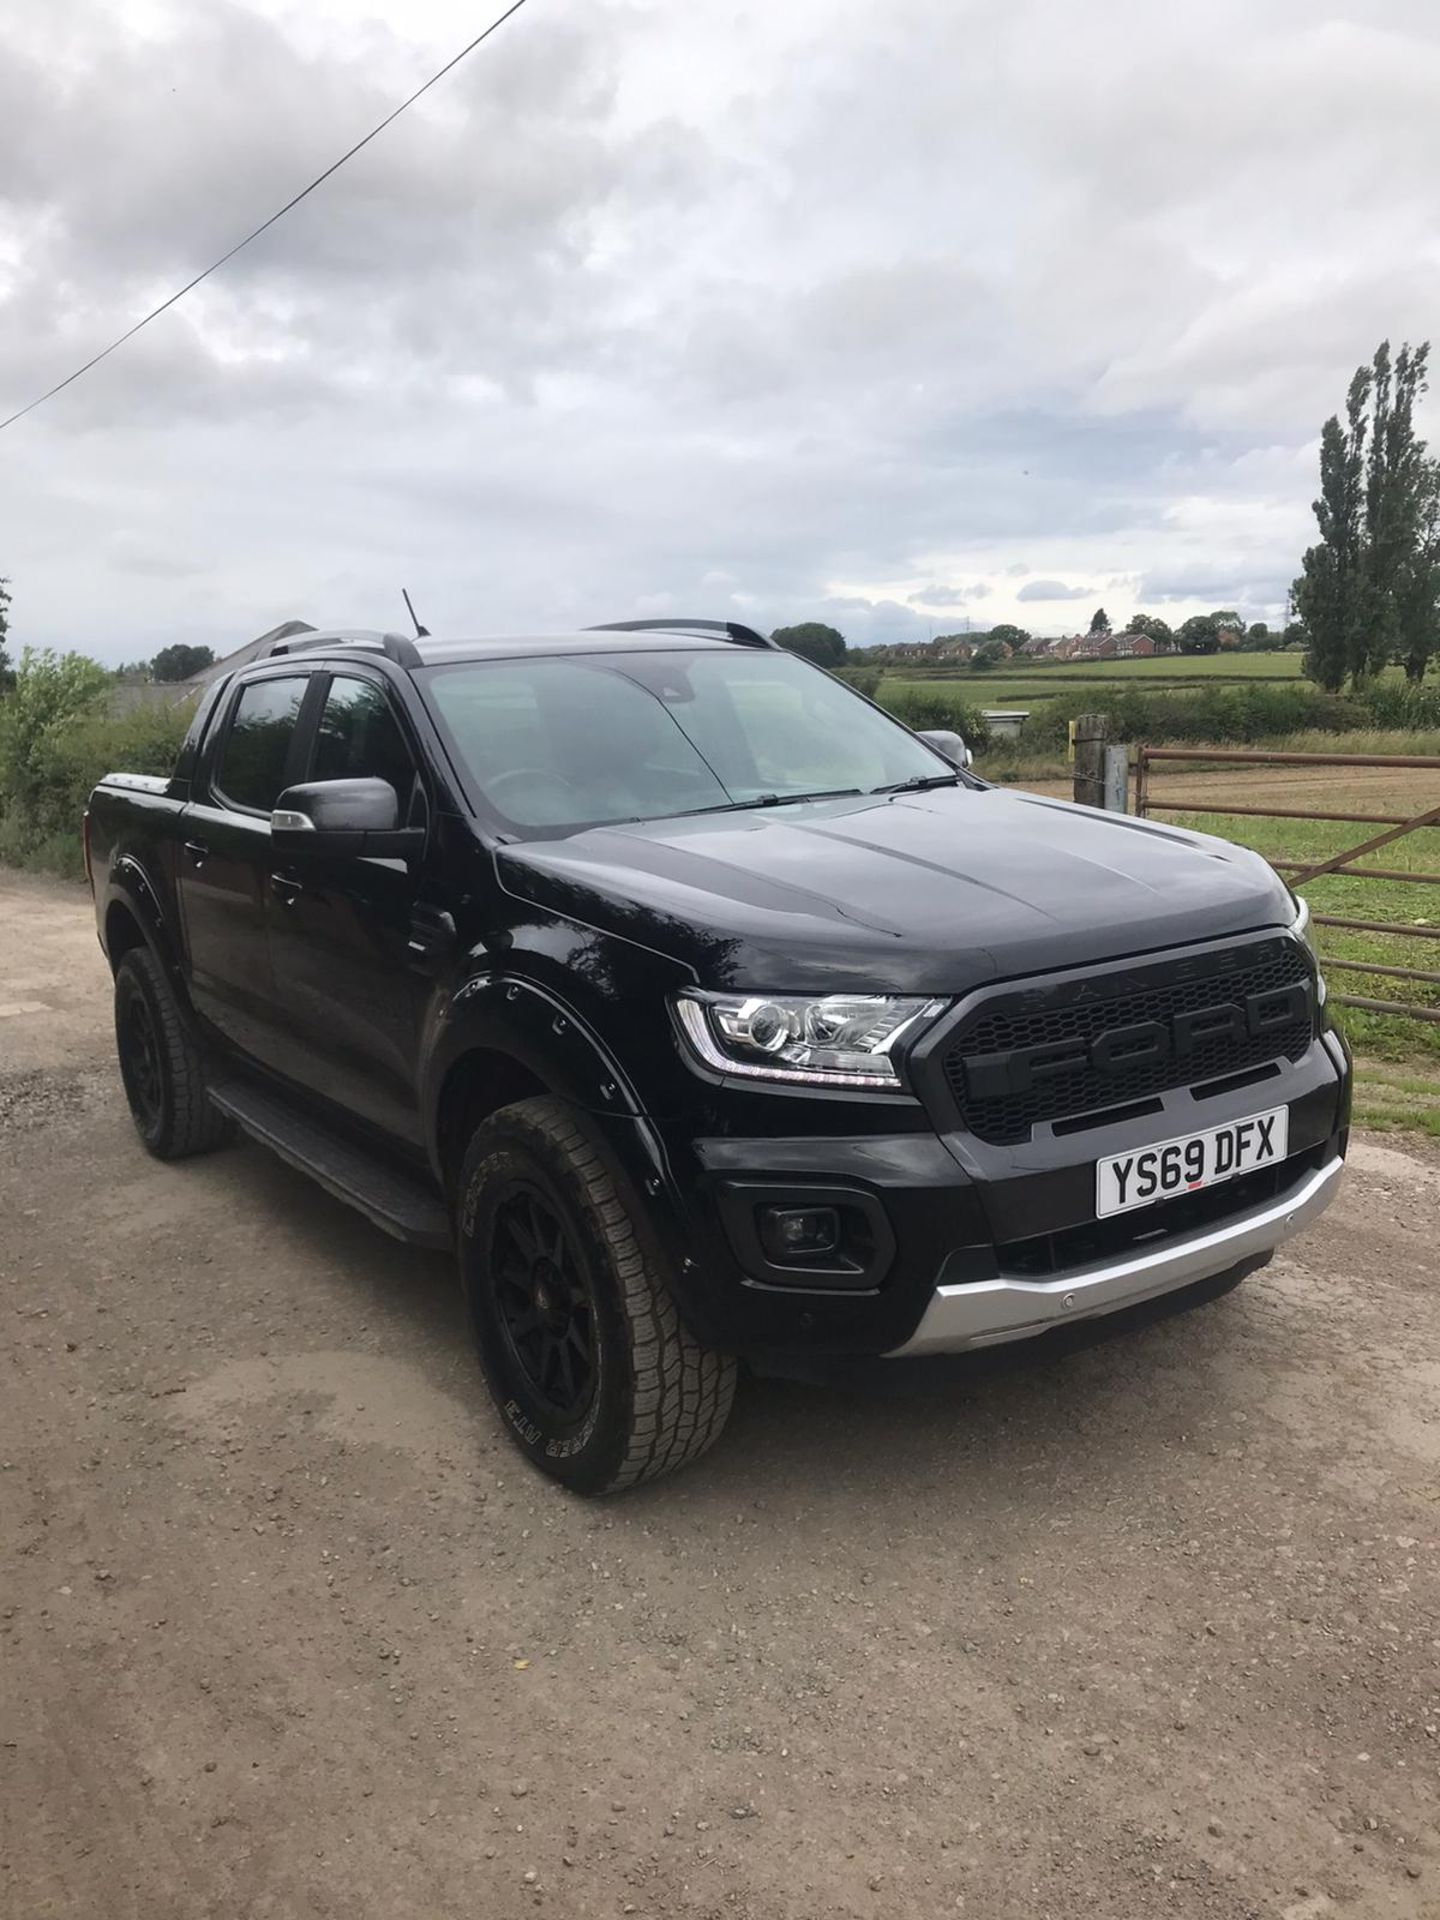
224, 862
347, 988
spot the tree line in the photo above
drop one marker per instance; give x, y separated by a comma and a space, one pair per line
1368, 591
169, 665
1201, 633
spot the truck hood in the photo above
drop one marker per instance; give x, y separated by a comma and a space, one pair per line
932, 892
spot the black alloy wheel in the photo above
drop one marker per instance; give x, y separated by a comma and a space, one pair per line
544, 1301
161, 1066
594, 1375
138, 1045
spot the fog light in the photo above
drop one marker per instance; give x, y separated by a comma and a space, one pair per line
793, 1234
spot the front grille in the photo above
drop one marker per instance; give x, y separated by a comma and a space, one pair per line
1085, 1007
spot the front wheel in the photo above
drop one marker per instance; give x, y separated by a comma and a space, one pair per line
595, 1378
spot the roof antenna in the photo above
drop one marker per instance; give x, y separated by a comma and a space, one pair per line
421, 633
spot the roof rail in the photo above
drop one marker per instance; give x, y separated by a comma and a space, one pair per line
395, 646
742, 636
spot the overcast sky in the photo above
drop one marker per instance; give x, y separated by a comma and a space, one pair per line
895, 315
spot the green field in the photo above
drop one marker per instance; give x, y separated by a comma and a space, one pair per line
1020, 685
1175, 666
1019, 682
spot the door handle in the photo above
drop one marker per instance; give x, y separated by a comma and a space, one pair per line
197, 850
286, 889
432, 934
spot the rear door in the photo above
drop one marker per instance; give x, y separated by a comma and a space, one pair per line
349, 937
224, 866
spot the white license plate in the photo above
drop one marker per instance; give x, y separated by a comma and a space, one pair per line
1196, 1160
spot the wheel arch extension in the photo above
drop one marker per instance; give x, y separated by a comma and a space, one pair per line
123, 932
135, 916
511, 1039
477, 1083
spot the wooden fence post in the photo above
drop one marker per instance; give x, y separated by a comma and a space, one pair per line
1117, 779
1091, 732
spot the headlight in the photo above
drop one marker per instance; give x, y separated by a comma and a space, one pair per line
837, 1040
1304, 929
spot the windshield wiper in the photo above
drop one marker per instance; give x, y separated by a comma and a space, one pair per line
918, 783
767, 800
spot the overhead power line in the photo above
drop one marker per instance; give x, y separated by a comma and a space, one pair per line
265, 225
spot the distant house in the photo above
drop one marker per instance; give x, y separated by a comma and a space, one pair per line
1067, 648
948, 650
1036, 649
1133, 646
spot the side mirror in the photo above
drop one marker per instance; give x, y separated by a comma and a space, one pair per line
337, 817
948, 743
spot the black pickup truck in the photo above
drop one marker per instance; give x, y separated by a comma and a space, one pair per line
708, 1014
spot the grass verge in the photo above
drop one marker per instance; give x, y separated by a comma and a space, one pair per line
1391, 1100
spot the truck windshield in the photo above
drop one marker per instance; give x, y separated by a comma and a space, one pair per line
554, 744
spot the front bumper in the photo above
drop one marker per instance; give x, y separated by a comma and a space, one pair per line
982, 1245
986, 1312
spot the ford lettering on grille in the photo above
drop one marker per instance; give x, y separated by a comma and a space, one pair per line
993, 1076
1044, 1051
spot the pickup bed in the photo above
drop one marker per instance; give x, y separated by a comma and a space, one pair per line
709, 1015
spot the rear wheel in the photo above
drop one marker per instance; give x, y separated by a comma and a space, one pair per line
161, 1065
595, 1377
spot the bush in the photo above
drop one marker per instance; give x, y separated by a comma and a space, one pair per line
938, 706
1406, 708
57, 738
1225, 715
50, 692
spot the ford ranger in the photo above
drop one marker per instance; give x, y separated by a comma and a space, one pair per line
707, 1013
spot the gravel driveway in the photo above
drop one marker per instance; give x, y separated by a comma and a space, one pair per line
287, 1630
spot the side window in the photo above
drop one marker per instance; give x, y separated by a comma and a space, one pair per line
360, 738
251, 772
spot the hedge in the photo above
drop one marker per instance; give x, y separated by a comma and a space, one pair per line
57, 737
1232, 714
1404, 708
1229, 715
938, 706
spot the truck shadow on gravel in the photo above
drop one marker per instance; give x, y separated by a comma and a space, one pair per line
997, 1428
1098, 1406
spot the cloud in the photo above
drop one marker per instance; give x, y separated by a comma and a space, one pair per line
720, 311
129, 553
1052, 590
938, 596
1216, 588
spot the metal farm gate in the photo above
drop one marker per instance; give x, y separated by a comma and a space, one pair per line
1300, 872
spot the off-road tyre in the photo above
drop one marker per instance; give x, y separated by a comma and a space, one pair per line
537, 1177
161, 1065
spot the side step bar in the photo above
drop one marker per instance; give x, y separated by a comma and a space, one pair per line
402, 1206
